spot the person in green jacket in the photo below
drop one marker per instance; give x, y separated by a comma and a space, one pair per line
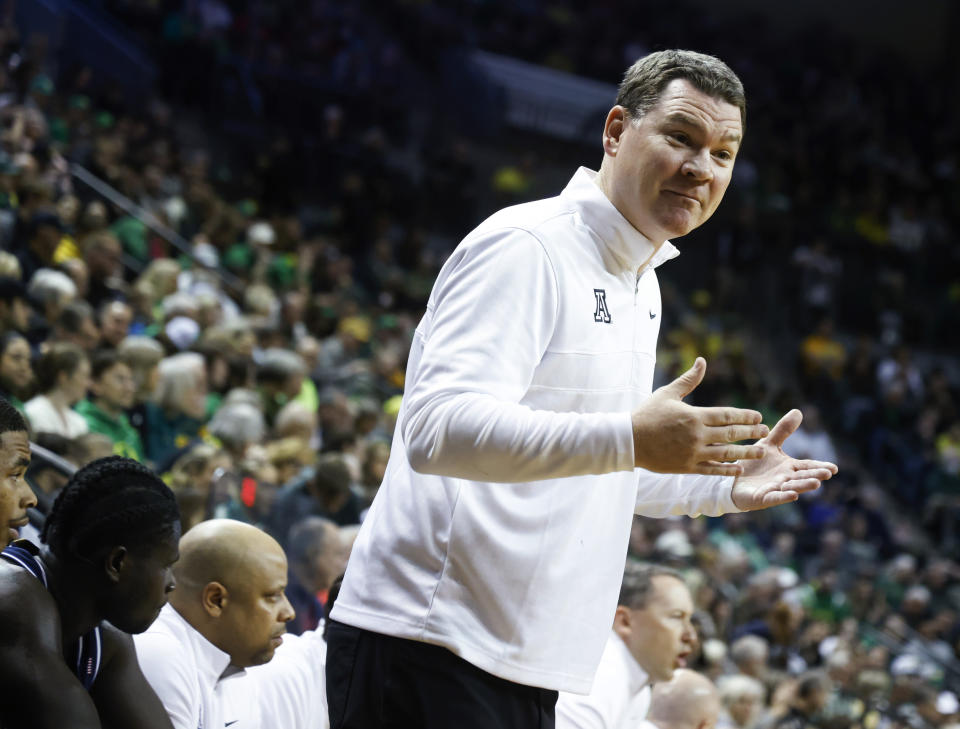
113, 391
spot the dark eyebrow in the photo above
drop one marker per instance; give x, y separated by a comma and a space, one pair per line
678, 117
22, 463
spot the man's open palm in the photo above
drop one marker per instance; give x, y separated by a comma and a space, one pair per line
777, 478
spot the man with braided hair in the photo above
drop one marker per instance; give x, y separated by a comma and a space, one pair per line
66, 609
15, 494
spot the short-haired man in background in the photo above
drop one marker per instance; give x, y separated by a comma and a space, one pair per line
652, 636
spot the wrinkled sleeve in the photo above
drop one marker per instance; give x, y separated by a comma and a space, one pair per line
489, 322
660, 495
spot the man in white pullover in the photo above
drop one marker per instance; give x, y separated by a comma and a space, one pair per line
485, 576
652, 635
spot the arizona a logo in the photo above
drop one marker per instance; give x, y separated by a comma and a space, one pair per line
601, 313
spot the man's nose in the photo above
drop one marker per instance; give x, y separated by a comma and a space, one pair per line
698, 167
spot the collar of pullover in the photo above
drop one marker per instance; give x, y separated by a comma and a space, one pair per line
624, 241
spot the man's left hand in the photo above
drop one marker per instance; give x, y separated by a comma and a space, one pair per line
777, 478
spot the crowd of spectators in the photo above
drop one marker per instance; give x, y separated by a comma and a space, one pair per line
828, 282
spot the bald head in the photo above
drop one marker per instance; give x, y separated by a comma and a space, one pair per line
688, 701
222, 550
230, 582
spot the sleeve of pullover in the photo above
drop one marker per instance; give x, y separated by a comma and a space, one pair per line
489, 321
660, 495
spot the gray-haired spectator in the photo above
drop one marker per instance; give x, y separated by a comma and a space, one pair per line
238, 425
51, 291
177, 412
317, 556
742, 699
688, 701
750, 654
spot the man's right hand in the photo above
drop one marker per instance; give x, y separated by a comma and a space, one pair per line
670, 436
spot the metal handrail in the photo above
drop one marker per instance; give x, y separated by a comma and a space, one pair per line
105, 190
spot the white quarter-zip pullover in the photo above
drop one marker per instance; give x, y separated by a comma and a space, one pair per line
501, 527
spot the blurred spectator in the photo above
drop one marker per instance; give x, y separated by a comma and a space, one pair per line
175, 415
742, 698
63, 376
115, 320
812, 693
14, 309
687, 701
326, 492
16, 374
76, 324
113, 391
317, 557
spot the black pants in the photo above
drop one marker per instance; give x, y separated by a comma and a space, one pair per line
376, 681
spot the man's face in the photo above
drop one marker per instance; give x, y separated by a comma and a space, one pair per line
20, 315
743, 708
15, 370
668, 169
76, 384
660, 635
89, 336
146, 581
332, 562
15, 495
115, 387
259, 610
115, 323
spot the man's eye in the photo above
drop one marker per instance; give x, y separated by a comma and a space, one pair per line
680, 137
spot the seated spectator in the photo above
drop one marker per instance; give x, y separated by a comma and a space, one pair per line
63, 375
237, 425
67, 608
191, 479
325, 492
175, 416
280, 378
687, 701
317, 558
14, 307
16, 374
228, 613
115, 320
50, 291
742, 698
77, 325
652, 636
16, 496
113, 391
142, 355
810, 697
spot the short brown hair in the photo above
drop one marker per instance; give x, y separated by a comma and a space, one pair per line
646, 79
61, 357
637, 584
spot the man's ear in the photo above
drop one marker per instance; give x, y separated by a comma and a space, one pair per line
617, 121
114, 563
622, 620
214, 598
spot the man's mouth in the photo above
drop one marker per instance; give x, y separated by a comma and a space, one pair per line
681, 661
685, 195
17, 523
